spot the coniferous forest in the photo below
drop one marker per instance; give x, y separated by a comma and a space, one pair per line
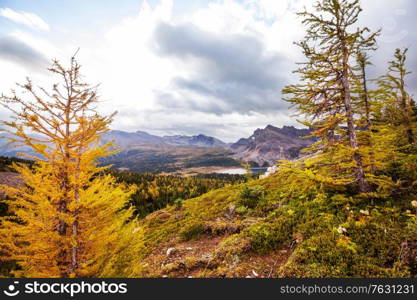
346, 208
154, 192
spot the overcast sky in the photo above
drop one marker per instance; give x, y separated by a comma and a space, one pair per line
179, 66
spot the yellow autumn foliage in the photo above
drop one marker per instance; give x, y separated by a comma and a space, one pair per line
69, 219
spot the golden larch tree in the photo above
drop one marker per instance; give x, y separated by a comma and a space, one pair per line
397, 104
69, 219
325, 95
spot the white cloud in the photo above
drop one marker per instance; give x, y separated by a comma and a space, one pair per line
124, 63
133, 75
41, 44
24, 18
13, 72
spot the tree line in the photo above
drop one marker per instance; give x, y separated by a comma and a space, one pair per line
155, 192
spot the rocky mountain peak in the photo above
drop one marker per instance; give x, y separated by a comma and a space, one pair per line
268, 145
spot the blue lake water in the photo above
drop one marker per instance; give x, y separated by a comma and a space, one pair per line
241, 171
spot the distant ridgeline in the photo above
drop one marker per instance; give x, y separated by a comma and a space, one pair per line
142, 152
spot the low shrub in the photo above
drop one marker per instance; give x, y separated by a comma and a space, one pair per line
192, 231
178, 203
250, 196
269, 236
335, 255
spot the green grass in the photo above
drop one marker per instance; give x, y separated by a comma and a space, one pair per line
308, 222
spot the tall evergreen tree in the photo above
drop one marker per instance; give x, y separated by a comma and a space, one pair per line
68, 219
363, 61
398, 104
364, 104
325, 95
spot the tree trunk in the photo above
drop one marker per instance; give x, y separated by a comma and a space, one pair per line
66, 180
368, 116
407, 112
353, 140
74, 250
366, 98
62, 225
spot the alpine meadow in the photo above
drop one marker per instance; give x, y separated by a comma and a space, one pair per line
331, 194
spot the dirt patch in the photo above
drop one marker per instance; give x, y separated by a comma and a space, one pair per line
10, 179
198, 259
265, 266
182, 259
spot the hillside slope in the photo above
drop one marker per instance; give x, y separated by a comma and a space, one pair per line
9, 179
272, 228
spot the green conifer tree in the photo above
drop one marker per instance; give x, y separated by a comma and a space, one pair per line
398, 108
324, 96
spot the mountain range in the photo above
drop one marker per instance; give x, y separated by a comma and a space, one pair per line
125, 140
144, 152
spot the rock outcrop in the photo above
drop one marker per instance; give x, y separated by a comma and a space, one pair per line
266, 146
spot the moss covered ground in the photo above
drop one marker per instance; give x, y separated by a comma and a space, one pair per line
282, 227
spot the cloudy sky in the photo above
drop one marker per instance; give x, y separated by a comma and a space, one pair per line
179, 66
